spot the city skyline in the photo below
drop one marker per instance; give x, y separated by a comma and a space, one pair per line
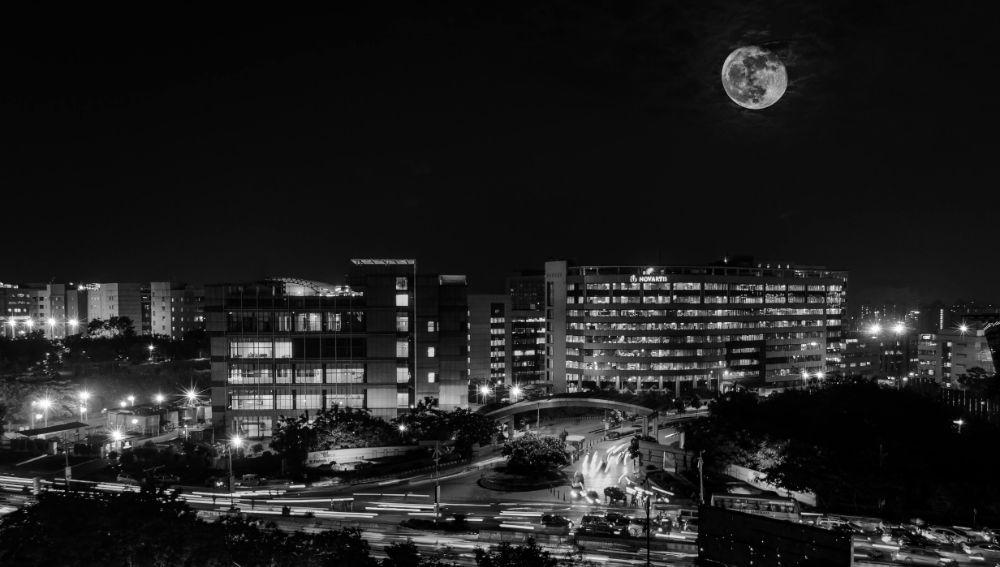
473, 139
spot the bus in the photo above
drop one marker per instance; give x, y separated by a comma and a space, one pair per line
772, 506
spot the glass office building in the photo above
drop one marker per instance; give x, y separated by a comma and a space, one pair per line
680, 327
286, 346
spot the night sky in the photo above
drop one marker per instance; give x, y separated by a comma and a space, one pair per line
483, 138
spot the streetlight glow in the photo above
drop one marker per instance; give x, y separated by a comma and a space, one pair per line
44, 403
84, 395
963, 328
158, 398
484, 390
51, 322
73, 323
515, 391
402, 428
236, 441
899, 328
820, 374
875, 329
116, 435
131, 399
124, 403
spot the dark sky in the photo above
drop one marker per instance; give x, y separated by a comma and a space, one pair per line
486, 137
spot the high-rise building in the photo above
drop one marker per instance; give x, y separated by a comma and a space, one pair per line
526, 322
119, 299
488, 336
53, 309
678, 327
175, 309
388, 338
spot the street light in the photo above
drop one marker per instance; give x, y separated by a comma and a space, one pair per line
84, 396
963, 328
899, 328
116, 436
29, 323
73, 323
820, 374
45, 404
875, 329
131, 400
52, 327
151, 348
959, 422
485, 391
515, 392
123, 403
234, 443
158, 398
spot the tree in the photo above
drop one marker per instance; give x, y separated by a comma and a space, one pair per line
633, 450
614, 494
154, 529
530, 555
293, 438
534, 455
427, 422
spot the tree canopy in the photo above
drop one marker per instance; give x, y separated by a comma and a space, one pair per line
859, 447
153, 529
427, 422
534, 455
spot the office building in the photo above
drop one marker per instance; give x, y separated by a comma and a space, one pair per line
386, 339
679, 327
175, 309
946, 356
526, 335
488, 336
54, 309
107, 300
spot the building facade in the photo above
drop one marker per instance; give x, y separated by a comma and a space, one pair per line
526, 335
120, 299
54, 309
384, 341
679, 327
175, 309
949, 354
488, 338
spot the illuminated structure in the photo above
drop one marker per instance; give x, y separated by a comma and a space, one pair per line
175, 309
678, 327
285, 346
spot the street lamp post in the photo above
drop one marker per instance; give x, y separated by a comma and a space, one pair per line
84, 396
234, 443
45, 404
72, 324
514, 393
151, 348
52, 327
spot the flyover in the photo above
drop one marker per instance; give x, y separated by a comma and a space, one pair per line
567, 402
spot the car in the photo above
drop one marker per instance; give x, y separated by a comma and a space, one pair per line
989, 551
126, 479
593, 497
974, 535
943, 535
921, 556
626, 524
959, 553
556, 521
166, 478
596, 525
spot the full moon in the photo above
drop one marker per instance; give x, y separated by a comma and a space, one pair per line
754, 77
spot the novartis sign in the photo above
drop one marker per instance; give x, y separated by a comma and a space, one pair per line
649, 279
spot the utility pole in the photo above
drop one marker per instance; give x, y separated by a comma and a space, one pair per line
437, 482
648, 531
701, 476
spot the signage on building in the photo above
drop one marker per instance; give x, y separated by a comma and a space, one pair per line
649, 279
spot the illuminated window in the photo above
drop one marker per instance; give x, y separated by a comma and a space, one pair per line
402, 300
402, 323
402, 400
431, 352
401, 283
402, 375
431, 326
431, 377
402, 349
